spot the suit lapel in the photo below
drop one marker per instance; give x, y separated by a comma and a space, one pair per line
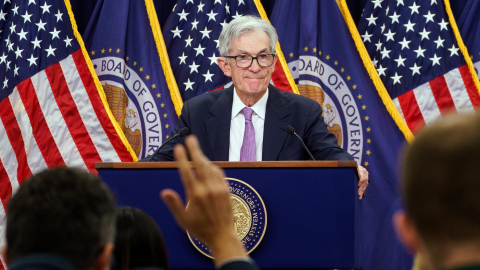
218, 127
277, 117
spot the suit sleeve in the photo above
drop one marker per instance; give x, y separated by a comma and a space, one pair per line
319, 140
166, 154
239, 265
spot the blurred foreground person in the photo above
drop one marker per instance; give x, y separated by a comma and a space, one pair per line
139, 242
441, 183
60, 219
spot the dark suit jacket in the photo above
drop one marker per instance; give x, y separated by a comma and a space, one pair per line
208, 116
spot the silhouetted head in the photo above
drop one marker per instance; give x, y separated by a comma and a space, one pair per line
139, 242
65, 212
440, 189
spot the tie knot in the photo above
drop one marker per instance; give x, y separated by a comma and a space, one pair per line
247, 112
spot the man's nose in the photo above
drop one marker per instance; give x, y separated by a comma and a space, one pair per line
255, 67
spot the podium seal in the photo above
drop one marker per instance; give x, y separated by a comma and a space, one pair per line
249, 217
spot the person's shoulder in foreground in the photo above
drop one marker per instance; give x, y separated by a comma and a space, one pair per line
441, 220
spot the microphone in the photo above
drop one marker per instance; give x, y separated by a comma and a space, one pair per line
290, 130
182, 132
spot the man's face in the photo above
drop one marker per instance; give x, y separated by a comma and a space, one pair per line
252, 82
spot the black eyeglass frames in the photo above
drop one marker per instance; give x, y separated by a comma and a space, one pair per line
246, 60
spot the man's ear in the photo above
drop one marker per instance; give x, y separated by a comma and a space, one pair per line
222, 63
406, 231
102, 262
275, 62
4, 255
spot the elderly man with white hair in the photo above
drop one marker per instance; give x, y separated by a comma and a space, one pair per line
248, 121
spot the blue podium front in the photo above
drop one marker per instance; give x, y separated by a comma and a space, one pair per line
313, 216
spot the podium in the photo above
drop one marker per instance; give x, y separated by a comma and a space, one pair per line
313, 213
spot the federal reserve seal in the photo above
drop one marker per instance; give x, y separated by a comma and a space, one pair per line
132, 103
320, 80
249, 217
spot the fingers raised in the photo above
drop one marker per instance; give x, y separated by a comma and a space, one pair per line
186, 174
175, 205
198, 159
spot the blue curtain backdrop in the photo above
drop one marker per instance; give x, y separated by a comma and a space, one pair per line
83, 9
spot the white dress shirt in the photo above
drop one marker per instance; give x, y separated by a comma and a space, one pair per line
237, 126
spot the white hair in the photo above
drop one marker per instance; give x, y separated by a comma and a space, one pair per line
242, 25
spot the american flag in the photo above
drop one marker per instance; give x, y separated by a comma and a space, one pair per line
124, 65
51, 111
413, 47
191, 36
469, 26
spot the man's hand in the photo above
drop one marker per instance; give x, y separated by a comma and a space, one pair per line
209, 214
363, 182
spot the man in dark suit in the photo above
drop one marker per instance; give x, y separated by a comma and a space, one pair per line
247, 121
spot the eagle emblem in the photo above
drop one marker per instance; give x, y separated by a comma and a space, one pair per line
128, 120
329, 111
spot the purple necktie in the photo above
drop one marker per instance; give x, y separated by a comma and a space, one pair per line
248, 151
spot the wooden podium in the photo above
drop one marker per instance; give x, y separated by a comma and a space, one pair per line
313, 213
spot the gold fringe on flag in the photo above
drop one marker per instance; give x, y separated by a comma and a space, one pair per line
163, 54
278, 50
101, 93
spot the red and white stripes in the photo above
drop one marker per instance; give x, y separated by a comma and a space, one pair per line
453, 91
54, 118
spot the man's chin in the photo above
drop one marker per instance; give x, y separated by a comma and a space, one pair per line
254, 85
257, 91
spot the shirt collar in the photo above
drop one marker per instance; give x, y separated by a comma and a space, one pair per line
259, 108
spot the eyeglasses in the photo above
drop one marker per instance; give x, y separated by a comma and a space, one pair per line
245, 60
